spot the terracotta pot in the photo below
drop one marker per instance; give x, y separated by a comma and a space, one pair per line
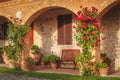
36, 57
53, 65
103, 71
42, 64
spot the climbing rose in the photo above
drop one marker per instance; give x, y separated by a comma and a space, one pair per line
22, 40
85, 38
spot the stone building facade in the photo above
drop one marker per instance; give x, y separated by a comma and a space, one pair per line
43, 14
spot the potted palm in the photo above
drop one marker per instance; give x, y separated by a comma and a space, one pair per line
34, 53
103, 65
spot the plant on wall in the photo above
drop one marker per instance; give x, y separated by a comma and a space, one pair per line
15, 39
87, 36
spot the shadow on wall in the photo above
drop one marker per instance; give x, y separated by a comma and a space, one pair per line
111, 46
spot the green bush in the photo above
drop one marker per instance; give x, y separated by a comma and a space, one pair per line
35, 49
29, 61
51, 58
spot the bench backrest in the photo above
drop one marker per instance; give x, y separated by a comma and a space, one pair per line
69, 54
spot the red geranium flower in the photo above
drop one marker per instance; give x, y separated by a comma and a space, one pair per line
92, 19
103, 38
103, 28
76, 31
104, 58
83, 50
95, 24
85, 38
94, 9
98, 41
79, 13
98, 30
22, 40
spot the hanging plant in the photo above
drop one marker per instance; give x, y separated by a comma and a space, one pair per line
87, 36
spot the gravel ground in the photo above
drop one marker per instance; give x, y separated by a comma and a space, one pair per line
17, 77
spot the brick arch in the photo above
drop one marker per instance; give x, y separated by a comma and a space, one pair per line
34, 14
107, 8
8, 20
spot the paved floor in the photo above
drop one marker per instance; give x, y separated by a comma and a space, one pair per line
60, 71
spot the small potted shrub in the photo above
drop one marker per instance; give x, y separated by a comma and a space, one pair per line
29, 63
52, 59
42, 62
103, 65
34, 53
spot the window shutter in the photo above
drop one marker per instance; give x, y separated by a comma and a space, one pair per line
31, 35
64, 29
68, 29
61, 37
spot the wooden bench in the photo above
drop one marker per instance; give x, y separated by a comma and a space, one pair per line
68, 58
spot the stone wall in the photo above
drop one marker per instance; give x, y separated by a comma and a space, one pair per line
111, 45
31, 9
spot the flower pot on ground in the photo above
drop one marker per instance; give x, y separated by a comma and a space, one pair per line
103, 71
29, 62
52, 60
103, 65
34, 53
42, 62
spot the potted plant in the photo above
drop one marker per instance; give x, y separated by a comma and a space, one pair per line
103, 65
29, 63
42, 62
52, 59
34, 53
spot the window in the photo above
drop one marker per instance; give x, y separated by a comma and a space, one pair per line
64, 29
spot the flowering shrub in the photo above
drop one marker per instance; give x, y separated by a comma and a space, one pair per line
104, 61
87, 35
15, 40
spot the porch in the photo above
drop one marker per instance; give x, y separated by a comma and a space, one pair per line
63, 71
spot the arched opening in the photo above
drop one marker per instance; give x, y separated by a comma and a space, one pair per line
52, 29
111, 46
3, 32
